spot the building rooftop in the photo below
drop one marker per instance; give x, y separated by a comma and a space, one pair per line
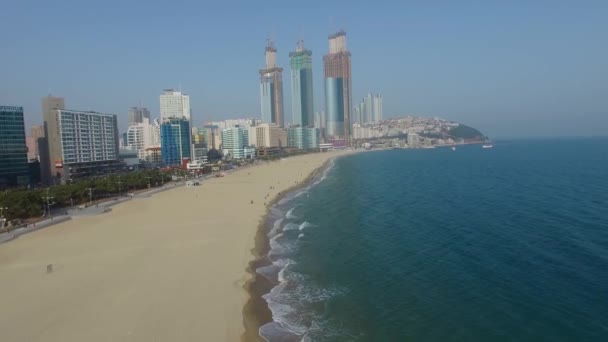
337, 34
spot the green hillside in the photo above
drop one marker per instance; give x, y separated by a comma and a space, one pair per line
465, 132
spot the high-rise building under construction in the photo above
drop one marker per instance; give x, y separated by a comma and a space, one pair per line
301, 86
271, 88
338, 88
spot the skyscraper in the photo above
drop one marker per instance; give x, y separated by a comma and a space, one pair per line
175, 136
356, 115
301, 86
369, 109
138, 114
50, 149
142, 136
377, 108
13, 151
174, 104
271, 88
338, 88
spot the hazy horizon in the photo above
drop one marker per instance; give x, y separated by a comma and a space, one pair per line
509, 70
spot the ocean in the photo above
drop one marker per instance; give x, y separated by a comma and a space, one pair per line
501, 244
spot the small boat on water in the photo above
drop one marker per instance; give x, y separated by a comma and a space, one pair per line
487, 146
453, 148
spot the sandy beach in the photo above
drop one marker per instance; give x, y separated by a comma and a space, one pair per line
170, 267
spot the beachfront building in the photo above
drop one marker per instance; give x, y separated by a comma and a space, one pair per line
143, 135
303, 138
413, 140
264, 135
152, 156
235, 143
199, 153
271, 88
88, 144
212, 136
338, 92
175, 141
174, 104
138, 114
301, 86
364, 132
14, 170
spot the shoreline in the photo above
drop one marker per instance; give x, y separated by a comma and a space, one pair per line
256, 312
172, 266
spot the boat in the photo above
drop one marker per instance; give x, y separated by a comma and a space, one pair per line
453, 148
487, 146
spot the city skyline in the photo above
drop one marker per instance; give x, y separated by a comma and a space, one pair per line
475, 67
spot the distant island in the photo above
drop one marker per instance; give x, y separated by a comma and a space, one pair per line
414, 131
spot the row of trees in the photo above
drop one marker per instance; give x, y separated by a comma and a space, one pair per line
28, 203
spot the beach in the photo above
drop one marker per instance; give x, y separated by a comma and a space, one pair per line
170, 267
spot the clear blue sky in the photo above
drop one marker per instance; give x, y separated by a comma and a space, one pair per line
509, 68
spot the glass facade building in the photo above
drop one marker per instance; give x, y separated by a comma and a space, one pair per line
14, 170
304, 138
334, 106
175, 140
301, 86
271, 89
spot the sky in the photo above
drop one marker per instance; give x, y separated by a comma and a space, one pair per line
508, 68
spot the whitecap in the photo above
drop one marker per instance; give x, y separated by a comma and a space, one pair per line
276, 227
290, 214
291, 226
305, 225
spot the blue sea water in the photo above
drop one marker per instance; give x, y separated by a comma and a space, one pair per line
502, 244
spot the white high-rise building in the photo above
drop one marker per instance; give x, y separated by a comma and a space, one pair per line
143, 136
235, 143
174, 104
377, 109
